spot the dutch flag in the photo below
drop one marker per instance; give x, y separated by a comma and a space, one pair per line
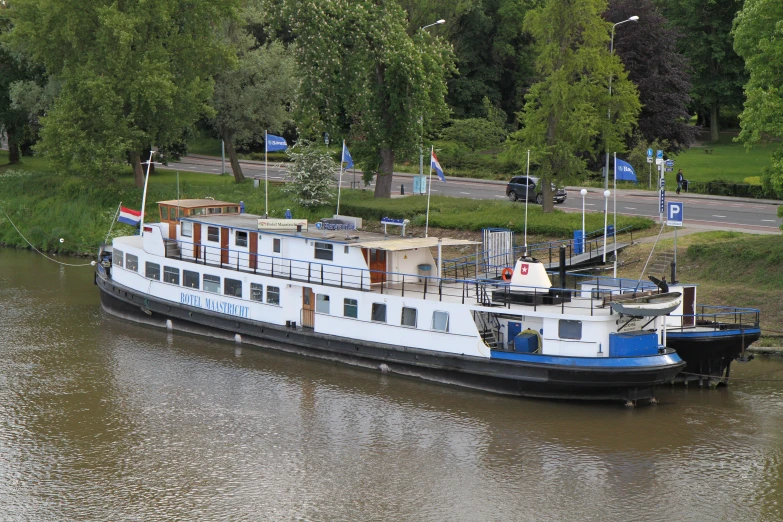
130, 217
435, 165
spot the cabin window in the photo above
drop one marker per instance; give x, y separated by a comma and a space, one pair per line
211, 283
440, 321
569, 329
152, 271
324, 251
231, 210
215, 210
276, 245
187, 229
132, 262
213, 234
190, 279
256, 292
197, 211
117, 257
241, 238
378, 312
164, 213
351, 308
408, 317
345, 249
171, 275
232, 287
322, 304
273, 295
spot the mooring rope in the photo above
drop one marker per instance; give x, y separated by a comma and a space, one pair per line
92, 263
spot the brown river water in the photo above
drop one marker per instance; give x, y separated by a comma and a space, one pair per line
101, 419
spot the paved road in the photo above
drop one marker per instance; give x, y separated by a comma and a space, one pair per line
706, 212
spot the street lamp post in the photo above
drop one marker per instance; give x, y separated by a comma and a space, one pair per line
606, 215
421, 116
609, 110
583, 192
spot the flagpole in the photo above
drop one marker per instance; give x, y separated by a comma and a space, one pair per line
144, 197
527, 189
113, 221
614, 234
266, 175
429, 192
340, 183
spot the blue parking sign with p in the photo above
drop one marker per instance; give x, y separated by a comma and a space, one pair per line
674, 213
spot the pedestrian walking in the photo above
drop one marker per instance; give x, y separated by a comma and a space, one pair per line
680, 179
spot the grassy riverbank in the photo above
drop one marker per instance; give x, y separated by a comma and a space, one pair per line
47, 207
731, 269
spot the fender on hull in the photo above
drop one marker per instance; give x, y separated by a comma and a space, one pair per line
503, 377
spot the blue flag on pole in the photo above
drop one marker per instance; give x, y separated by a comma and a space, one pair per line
274, 143
347, 159
625, 172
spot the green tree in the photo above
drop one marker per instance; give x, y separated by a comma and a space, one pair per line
312, 175
758, 38
364, 77
133, 74
718, 72
565, 114
478, 133
256, 94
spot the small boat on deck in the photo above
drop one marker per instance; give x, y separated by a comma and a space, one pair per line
652, 305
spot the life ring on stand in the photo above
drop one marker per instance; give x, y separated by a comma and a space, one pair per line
506, 274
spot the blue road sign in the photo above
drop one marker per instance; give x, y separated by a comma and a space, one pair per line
649, 153
659, 154
669, 162
674, 211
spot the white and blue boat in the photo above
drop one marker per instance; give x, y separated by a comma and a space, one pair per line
378, 302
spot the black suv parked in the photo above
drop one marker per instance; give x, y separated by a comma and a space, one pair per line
519, 184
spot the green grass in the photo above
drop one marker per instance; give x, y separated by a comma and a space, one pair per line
729, 161
36, 164
47, 207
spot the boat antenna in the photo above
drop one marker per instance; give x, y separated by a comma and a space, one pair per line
649, 257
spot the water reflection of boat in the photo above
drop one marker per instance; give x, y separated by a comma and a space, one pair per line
360, 299
708, 338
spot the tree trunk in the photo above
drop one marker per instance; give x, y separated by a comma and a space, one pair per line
228, 139
548, 205
714, 122
13, 148
383, 183
138, 174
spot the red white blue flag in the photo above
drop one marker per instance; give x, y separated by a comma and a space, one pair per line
435, 165
129, 216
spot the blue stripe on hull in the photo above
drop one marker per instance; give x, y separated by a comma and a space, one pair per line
717, 333
647, 361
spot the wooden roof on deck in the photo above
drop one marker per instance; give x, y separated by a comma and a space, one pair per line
409, 243
197, 203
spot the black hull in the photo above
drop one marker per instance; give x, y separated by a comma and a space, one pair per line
509, 378
708, 357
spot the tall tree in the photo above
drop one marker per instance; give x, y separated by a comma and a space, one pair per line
718, 72
758, 38
257, 94
133, 74
364, 77
648, 50
13, 119
565, 113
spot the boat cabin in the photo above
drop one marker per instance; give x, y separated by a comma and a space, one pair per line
171, 211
